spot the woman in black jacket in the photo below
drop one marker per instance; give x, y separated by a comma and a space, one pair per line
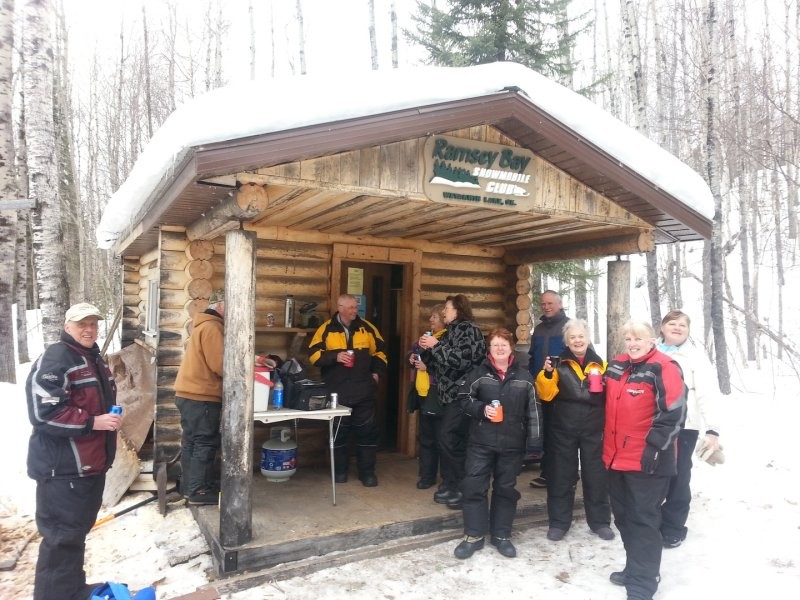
449, 359
496, 444
575, 424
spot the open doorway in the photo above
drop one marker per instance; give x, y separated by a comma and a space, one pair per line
390, 280
379, 287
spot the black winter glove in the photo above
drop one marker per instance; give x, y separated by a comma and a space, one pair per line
650, 458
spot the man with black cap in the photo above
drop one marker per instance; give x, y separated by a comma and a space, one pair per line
70, 391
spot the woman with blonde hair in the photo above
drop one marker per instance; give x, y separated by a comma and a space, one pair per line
645, 410
701, 404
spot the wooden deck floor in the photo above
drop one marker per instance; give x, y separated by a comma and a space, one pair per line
295, 520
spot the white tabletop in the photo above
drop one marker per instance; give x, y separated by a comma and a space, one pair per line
285, 414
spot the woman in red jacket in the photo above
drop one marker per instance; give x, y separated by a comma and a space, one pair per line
645, 410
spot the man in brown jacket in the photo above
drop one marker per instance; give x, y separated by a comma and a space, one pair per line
198, 396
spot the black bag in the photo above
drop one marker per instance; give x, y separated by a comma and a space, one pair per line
428, 405
306, 394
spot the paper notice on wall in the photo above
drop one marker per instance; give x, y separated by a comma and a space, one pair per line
355, 281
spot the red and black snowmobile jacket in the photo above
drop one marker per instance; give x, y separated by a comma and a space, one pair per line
67, 387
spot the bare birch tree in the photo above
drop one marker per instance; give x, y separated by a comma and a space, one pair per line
25, 291
713, 174
252, 39
301, 37
373, 37
43, 185
8, 191
633, 48
393, 20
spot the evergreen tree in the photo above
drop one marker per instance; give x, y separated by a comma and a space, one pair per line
473, 32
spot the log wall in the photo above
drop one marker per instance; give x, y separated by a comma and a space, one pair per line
482, 280
132, 306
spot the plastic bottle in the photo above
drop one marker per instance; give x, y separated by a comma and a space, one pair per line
277, 395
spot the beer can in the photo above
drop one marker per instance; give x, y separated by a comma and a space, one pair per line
115, 410
334, 400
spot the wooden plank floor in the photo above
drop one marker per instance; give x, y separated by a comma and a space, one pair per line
295, 520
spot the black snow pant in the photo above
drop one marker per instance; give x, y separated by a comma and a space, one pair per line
429, 426
453, 445
575, 429
361, 425
66, 509
636, 501
502, 467
200, 441
676, 509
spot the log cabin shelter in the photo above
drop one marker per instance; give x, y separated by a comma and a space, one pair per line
402, 187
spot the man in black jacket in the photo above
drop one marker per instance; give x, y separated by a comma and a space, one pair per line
548, 340
69, 391
351, 356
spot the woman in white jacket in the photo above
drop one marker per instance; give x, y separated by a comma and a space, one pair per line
702, 400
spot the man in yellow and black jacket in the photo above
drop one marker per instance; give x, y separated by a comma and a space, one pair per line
350, 354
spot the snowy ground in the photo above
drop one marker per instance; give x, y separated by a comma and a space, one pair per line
744, 538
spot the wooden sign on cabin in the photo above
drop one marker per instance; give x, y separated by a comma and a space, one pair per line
469, 172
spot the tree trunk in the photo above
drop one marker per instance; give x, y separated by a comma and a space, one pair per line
252, 40
75, 252
148, 102
8, 190
43, 178
393, 19
24, 293
581, 308
653, 289
373, 38
713, 170
301, 39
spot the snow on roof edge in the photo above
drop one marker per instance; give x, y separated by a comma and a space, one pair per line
335, 96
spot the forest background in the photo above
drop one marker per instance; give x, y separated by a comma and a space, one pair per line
85, 83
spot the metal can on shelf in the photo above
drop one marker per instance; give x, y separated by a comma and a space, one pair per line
270, 319
334, 400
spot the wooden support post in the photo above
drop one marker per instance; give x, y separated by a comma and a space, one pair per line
619, 304
236, 510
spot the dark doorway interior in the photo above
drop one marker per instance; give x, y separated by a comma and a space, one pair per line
382, 286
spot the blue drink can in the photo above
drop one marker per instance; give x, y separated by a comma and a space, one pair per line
115, 410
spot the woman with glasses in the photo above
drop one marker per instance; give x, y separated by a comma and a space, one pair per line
500, 400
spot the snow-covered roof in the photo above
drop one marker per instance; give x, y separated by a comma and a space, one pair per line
260, 107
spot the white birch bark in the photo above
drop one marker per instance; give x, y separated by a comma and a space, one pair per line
252, 40
639, 98
301, 39
42, 176
713, 172
8, 191
373, 38
24, 282
393, 19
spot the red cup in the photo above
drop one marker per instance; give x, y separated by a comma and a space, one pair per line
595, 380
351, 359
